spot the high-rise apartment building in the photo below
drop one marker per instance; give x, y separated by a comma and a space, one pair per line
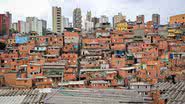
36, 25
33, 22
156, 19
5, 23
44, 26
39, 29
21, 27
89, 25
70, 24
77, 18
10, 18
104, 19
140, 19
57, 19
118, 18
15, 26
88, 16
65, 22
27, 27
95, 21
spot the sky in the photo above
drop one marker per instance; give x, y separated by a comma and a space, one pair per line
42, 9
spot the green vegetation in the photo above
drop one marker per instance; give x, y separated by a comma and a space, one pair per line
13, 31
118, 77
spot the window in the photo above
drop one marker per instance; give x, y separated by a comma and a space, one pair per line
146, 93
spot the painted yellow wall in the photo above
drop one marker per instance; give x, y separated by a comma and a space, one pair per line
122, 26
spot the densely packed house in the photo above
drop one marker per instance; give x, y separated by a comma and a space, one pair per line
103, 59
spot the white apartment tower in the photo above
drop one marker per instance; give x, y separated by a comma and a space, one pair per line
36, 25
33, 23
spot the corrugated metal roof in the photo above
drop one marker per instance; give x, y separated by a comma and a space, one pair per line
27, 96
174, 93
12, 99
96, 96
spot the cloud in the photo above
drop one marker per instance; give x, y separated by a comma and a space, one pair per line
24, 8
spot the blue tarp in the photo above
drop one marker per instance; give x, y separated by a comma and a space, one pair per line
119, 52
171, 56
21, 39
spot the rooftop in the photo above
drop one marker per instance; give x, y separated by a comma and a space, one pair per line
140, 83
72, 83
9, 96
95, 96
174, 93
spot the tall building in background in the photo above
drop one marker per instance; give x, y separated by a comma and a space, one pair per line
156, 19
27, 27
88, 16
33, 22
118, 18
104, 19
10, 18
39, 28
89, 25
21, 27
44, 27
95, 21
70, 24
5, 23
57, 19
140, 19
77, 18
15, 26
65, 22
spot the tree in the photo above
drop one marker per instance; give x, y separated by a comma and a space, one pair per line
119, 77
12, 30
